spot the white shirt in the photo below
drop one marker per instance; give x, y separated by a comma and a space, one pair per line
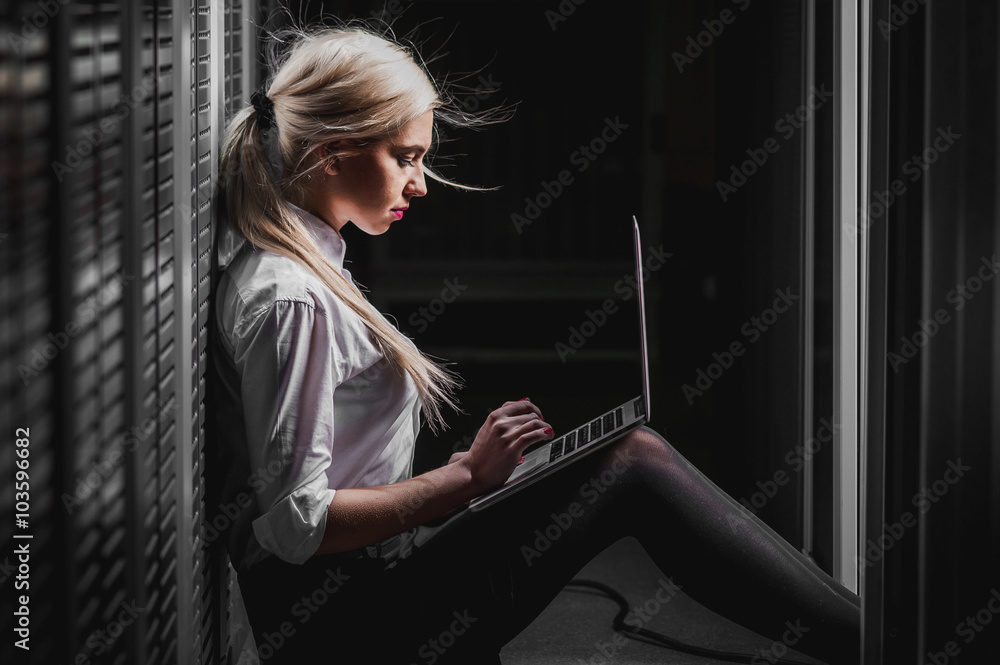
305, 403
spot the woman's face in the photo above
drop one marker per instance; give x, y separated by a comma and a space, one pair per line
374, 188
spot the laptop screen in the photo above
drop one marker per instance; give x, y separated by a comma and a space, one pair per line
598, 331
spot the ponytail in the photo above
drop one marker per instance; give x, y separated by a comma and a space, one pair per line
257, 210
345, 84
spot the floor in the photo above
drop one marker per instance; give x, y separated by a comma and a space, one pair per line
576, 629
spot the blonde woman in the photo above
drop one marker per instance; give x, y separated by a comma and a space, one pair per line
342, 555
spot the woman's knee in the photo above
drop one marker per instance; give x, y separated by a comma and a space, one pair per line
644, 443
640, 449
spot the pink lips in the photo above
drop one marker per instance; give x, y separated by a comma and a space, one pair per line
398, 212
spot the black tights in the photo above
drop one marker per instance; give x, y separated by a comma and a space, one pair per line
479, 579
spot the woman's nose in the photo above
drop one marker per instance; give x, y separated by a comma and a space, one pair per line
417, 186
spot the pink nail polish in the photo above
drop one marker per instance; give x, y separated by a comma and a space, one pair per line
547, 430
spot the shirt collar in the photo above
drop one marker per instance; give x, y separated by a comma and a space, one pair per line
328, 239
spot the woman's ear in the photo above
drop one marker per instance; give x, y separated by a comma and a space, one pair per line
329, 158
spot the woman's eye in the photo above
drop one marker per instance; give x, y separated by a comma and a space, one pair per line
403, 161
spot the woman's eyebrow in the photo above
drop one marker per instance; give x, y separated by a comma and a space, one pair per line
416, 149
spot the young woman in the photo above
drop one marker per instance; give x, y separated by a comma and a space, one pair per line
340, 553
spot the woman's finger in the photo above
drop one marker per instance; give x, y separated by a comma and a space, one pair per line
522, 406
531, 436
513, 422
531, 424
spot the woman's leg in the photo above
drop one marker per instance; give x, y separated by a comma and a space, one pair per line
483, 577
716, 550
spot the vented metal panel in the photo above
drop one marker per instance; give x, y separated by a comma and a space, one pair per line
27, 355
233, 53
112, 113
203, 135
96, 190
157, 481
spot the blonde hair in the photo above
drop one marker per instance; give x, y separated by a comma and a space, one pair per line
352, 85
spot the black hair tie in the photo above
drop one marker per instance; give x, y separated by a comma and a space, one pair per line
264, 108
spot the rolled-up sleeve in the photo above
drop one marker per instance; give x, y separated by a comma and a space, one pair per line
289, 369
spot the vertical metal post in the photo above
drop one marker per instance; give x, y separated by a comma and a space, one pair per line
66, 573
853, 548
250, 41
217, 125
185, 20
874, 401
131, 261
846, 332
808, 376
218, 117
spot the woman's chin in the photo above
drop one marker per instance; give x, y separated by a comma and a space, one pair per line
373, 228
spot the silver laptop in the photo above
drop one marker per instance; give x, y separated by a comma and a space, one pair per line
542, 459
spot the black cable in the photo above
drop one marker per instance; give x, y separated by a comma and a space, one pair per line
658, 639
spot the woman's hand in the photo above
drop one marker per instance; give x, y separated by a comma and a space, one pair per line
500, 442
364, 515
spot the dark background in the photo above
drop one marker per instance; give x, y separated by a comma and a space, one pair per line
141, 202
685, 128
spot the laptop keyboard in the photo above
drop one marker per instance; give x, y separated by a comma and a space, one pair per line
570, 444
590, 432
